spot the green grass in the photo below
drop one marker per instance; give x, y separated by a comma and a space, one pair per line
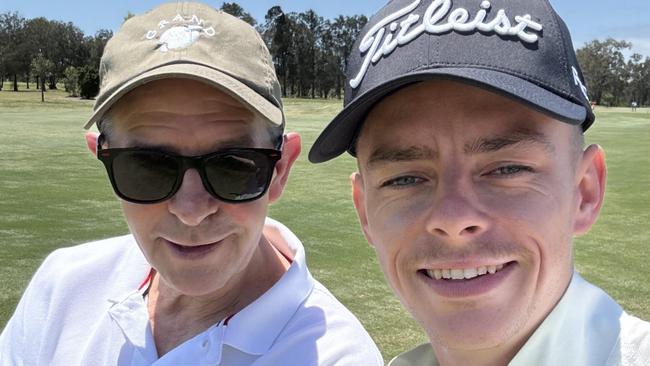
54, 194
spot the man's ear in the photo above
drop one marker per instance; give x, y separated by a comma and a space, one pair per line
290, 151
591, 177
91, 142
359, 200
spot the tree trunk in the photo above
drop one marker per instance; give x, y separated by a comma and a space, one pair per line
284, 84
42, 89
52, 82
2, 81
15, 82
27, 80
338, 86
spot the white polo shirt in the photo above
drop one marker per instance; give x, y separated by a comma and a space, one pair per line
586, 328
83, 307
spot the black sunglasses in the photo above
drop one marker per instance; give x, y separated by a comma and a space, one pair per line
233, 175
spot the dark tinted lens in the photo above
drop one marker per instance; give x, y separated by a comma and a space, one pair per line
144, 175
238, 176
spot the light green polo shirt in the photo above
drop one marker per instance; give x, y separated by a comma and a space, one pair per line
586, 328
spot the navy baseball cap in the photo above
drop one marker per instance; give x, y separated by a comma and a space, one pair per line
517, 48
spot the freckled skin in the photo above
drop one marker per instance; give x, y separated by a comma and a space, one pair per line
520, 204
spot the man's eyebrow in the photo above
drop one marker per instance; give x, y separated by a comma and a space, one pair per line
416, 152
522, 138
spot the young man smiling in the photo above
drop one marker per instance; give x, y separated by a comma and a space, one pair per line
467, 120
191, 127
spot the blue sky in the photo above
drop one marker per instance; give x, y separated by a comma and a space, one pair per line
587, 19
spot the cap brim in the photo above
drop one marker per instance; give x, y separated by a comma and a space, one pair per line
218, 79
338, 135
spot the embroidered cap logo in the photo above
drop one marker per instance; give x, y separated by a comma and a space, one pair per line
184, 32
383, 33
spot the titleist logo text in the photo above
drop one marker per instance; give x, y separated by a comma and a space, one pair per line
383, 38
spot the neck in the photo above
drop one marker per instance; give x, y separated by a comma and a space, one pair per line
500, 354
483, 357
504, 352
176, 317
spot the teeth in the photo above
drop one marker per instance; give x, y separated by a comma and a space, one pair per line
461, 274
434, 273
470, 273
437, 274
457, 274
446, 274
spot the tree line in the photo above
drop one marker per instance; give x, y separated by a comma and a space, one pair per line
612, 80
43, 51
309, 53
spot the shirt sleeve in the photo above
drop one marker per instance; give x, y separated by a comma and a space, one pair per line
12, 339
20, 341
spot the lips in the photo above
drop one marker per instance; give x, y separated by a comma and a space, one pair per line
464, 273
467, 282
194, 251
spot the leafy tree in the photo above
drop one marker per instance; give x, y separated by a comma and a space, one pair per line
328, 63
307, 32
638, 79
12, 56
278, 33
309, 53
94, 46
344, 30
128, 16
36, 35
235, 9
88, 82
42, 68
89, 71
68, 49
4, 44
603, 66
71, 81
59, 42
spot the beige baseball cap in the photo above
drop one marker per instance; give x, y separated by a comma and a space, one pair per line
190, 41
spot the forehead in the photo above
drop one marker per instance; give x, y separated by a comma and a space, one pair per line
443, 112
183, 111
176, 95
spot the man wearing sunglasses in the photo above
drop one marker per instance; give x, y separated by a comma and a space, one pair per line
191, 136
466, 118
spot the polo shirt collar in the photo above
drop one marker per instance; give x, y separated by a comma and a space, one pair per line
254, 329
582, 329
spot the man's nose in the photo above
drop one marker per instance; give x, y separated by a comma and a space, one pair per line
192, 203
456, 214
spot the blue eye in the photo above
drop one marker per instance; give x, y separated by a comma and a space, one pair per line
401, 182
510, 170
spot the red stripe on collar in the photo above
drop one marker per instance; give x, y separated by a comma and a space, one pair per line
225, 322
147, 279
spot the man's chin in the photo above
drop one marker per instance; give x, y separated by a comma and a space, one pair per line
195, 283
476, 328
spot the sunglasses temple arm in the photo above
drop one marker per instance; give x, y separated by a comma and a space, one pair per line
100, 142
